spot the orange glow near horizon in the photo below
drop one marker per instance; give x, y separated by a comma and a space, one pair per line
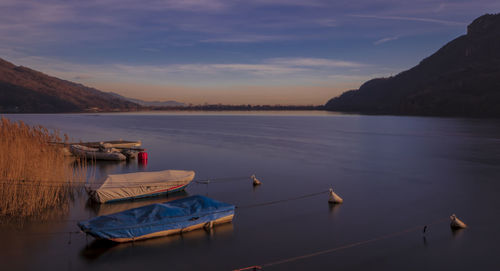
255, 95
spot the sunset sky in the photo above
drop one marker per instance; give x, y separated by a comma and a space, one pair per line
229, 51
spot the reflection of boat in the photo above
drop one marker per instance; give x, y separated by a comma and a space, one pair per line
100, 247
159, 219
97, 153
140, 184
119, 206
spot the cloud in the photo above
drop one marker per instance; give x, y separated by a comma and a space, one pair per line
316, 62
247, 38
327, 22
267, 67
414, 19
263, 69
273, 71
384, 40
299, 3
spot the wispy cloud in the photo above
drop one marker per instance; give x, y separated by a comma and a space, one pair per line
316, 62
245, 38
265, 71
300, 3
267, 67
384, 40
414, 19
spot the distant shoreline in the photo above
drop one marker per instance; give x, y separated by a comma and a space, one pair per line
222, 107
208, 107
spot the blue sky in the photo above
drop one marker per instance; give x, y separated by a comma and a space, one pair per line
221, 51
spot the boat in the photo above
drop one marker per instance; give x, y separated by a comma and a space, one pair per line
97, 153
118, 144
159, 219
117, 187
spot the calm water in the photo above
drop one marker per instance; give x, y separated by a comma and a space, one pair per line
393, 173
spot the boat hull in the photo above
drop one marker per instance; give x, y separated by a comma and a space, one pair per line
95, 154
203, 225
115, 144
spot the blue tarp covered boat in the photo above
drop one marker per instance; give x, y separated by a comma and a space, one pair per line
159, 219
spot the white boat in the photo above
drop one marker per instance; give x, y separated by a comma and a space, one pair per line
97, 153
120, 144
118, 187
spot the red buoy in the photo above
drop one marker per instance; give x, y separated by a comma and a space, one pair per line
143, 156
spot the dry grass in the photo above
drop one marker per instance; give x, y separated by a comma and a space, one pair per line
35, 175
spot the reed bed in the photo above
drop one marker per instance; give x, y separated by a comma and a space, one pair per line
36, 174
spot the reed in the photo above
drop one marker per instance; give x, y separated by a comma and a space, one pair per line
35, 172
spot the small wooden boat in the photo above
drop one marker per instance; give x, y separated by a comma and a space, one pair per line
160, 219
127, 186
97, 153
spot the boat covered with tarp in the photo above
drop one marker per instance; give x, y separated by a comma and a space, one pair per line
117, 187
103, 153
119, 144
159, 219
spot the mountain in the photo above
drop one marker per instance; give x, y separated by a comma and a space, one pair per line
146, 103
23, 90
460, 79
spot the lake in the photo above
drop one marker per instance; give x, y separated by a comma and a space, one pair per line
395, 174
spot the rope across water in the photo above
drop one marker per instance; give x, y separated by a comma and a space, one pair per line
346, 246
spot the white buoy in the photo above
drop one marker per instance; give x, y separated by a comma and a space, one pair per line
457, 223
334, 198
255, 181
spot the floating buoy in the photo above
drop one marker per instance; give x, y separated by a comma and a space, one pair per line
142, 156
255, 181
142, 159
457, 223
334, 198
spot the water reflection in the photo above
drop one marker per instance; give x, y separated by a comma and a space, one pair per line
334, 209
100, 209
97, 248
457, 233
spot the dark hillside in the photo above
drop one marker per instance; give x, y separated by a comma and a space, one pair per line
25, 90
460, 79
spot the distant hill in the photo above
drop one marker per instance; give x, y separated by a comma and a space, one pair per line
146, 103
460, 79
23, 90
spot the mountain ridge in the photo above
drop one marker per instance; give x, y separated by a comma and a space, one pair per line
462, 78
24, 90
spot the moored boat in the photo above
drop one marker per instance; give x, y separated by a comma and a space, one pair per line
97, 153
117, 187
159, 219
119, 144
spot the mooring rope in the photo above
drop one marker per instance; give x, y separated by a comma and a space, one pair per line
222, 180
346, 246
136, 184
280, 201
235, 205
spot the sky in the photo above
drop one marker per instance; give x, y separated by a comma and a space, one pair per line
229, 51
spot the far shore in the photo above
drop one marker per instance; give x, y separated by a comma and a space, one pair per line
206, 107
